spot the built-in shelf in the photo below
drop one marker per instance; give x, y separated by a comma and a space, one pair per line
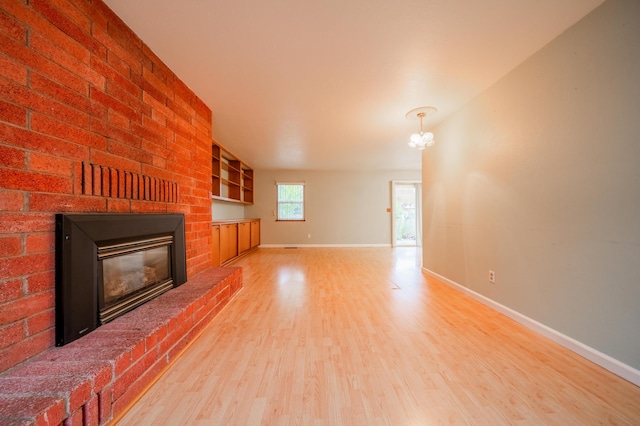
247, 184
215, 171
231, 179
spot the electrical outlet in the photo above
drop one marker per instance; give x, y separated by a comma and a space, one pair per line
308, 235
492, 277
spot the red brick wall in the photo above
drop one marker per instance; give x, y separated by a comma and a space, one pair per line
85, 109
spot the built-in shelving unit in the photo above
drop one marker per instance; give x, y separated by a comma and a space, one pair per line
215, 170
247, 184
231, 179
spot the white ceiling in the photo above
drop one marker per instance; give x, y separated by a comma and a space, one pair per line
325, 84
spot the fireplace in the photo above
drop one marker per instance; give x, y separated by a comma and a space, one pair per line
109, 264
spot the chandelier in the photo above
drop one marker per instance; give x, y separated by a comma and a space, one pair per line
423, 139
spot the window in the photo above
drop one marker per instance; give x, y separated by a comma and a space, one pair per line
290, 201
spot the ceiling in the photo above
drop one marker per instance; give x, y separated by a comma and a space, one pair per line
325, 85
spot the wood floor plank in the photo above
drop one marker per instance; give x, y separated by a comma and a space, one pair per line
360, 336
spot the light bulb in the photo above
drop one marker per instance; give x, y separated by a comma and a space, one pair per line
427, 139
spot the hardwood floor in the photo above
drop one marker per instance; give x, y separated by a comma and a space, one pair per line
346, 336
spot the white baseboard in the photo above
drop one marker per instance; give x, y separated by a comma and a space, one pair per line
605, 361
321, 245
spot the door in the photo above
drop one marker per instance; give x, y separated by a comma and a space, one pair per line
406, 213
215, 245
228, 241
244, 237
255, 233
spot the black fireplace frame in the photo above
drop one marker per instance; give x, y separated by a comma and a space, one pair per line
77, 239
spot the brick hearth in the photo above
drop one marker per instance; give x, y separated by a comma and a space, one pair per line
92, 380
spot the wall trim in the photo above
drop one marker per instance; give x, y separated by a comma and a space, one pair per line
605, 361
321, 245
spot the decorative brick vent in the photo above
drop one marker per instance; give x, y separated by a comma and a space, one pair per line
114, 183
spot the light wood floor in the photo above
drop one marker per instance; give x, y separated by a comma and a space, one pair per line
360, 337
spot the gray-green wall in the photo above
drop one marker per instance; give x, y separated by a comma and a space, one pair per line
538, 179
342, 207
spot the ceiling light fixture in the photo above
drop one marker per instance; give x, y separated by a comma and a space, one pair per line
423, 139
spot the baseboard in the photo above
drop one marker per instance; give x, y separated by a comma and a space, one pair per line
605, 361
321, 245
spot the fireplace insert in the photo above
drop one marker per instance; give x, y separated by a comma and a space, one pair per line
109, 264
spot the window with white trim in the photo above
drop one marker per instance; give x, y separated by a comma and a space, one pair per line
290, 201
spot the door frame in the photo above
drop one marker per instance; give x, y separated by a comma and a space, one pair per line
418, 185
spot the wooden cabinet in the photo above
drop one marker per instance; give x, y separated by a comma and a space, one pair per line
228, 241
255, 233
231, 179
232, 238
224, 243
215, 245
244, 237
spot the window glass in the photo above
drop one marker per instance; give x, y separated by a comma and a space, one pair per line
290, 201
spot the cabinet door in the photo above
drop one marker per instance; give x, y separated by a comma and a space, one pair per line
215, 245
233, 241
224, 243
244, 237
228, 241
255, 233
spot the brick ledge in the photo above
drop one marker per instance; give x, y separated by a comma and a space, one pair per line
94, 379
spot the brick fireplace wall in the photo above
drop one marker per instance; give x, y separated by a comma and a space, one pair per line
90, 121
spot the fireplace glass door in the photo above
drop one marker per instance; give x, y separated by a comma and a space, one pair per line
133, 273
